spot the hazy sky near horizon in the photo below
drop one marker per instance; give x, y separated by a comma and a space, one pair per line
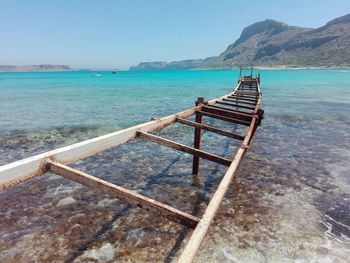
121, 33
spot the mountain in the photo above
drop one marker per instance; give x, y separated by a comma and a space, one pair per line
34, 68
271, 43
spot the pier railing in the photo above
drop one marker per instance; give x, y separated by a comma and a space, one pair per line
240, 107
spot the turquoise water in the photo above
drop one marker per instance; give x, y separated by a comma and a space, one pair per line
45, 100
289, 202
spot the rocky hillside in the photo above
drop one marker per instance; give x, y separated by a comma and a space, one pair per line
34, 68
271, 43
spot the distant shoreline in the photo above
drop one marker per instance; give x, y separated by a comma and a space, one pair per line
47, 71
202, 69
276, 68
48, 68
297, 68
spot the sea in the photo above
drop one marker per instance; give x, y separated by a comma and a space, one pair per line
289, 200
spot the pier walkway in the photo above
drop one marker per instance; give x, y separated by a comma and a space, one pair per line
240, 107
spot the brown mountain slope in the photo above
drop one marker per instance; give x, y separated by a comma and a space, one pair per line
271, 43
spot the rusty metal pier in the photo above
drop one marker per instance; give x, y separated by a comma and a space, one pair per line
240, 107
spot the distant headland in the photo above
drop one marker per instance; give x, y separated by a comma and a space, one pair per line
49, 68
34, 68
271, 44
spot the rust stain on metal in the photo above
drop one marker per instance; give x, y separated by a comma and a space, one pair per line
123, 194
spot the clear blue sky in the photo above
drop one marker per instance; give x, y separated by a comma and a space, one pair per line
121, 33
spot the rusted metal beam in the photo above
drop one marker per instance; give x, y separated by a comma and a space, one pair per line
237, 101
223, 118
245, 88
246, 93
210, 129
123, 194
185, 148
241, 98
235, 105
245, 96
197, 138
253, 96
249, 113
228, 113
248, 86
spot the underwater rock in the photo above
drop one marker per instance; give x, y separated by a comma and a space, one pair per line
66, 201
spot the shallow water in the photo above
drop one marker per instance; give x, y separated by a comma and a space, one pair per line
288, 203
